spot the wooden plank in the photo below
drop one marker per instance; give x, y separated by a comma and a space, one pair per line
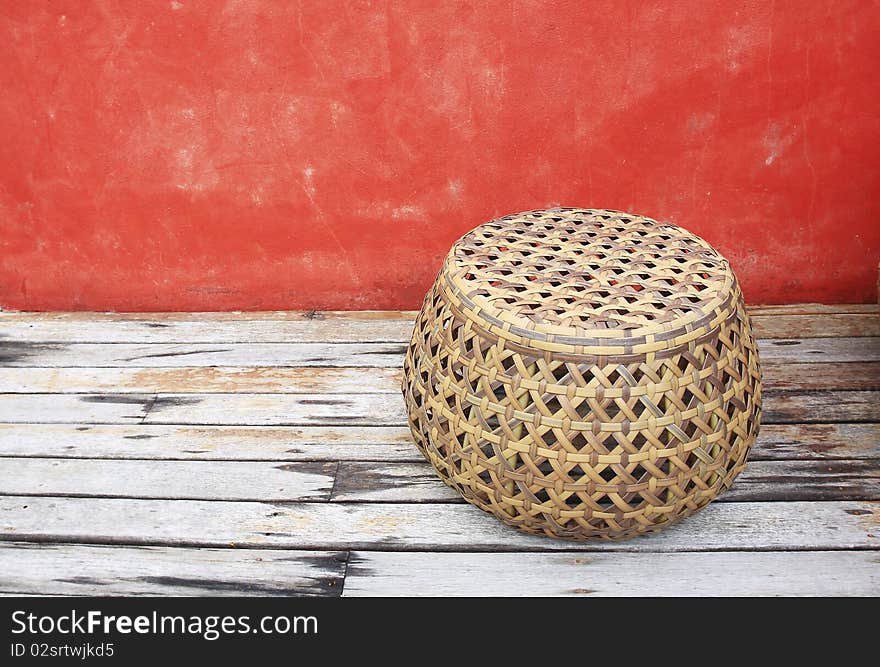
217, 316
217, 443
816, 326
278, 409
358, 315
816, 350
407, 526
344, 409
200, 480
352, 443
814, 309
778, 375
76, 569
838, 573
204, 379
153, 355
243, 409
209, 331
387, 355
821, 407
807, 480
760, 481
337, 329
817, 441
784, 375
84, 408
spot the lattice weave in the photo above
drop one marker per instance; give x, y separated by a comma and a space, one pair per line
584, 373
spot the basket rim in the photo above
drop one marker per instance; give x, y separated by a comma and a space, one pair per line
644, 340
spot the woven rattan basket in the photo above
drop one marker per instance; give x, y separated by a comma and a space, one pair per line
584, 373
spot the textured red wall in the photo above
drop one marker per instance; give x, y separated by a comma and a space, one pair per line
261, 155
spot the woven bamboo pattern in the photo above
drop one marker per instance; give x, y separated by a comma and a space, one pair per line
584, 373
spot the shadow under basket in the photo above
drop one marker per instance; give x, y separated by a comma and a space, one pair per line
584, 373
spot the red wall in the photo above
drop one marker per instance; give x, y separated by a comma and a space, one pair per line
261, 155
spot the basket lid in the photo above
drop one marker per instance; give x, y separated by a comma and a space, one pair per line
589, 281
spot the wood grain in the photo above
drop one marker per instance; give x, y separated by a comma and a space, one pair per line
820, 350
369, 481
170, 355
816, 326
333, 316
817, 441
209, 331
79, 408
246, 409
202, 380
218, 443
821, 406
361, 315
210, 480
787, 376
77, 569
778, 375
344, 409
815, 309
126, 440
760, 481
352, 443
405, 526
382, 355
855, 573
332, 327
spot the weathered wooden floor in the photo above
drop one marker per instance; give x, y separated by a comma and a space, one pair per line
266, 454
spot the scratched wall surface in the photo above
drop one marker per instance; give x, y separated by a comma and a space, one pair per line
266, 155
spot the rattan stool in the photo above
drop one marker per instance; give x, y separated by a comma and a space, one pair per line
584, 373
